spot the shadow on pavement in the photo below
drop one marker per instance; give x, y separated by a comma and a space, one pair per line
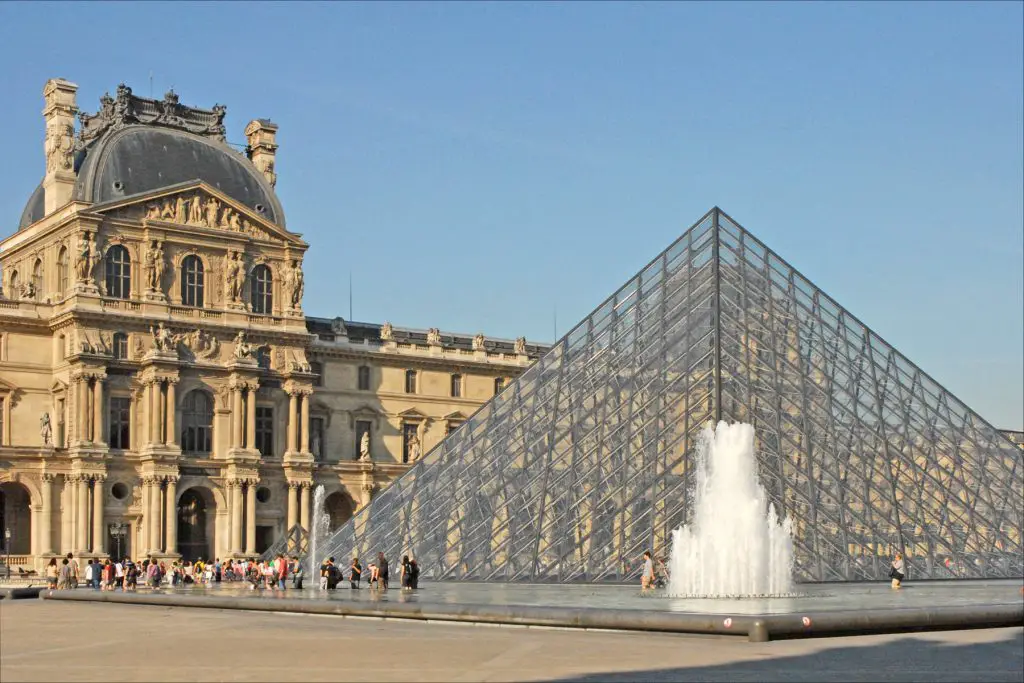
910, 659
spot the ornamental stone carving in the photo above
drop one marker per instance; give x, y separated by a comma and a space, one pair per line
200, 344
434, 336
243, 349
59, 145
234, 277
45, 430
520, 347
478, 342
295, 284
155, 266
163, 340
387, 333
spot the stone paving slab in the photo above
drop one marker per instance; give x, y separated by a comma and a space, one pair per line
48, 640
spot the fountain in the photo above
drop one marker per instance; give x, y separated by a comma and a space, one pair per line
318, 529
735, 546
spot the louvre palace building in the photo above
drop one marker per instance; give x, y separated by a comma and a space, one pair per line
162, 391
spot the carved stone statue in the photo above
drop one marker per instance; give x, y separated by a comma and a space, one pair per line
243, 349
211, 209
155, 266
315, 445
59, 146
421, 431
434, 336
195, 210
364, 447
478, 342
83, 264
167, 211
153, 211
163, 340
225, 218
387, 333
201, 344
414, 450
45, 430
28, 290
520, 347
179, 210
235, 223
233, 277
296, 283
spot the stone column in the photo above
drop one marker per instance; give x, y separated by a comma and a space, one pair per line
161, 411
304, 507
250, 417
250, 518
98, 435
293, 401
236, 422
235, 487
82, 428
172, 514
304, 424
154, 412
99, 539
172, 410
46, 518
293, 504
154, 512
143, 522
83, 515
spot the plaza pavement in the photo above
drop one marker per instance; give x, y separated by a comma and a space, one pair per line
47, 641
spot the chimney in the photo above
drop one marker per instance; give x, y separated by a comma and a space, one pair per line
59, 114
262, 138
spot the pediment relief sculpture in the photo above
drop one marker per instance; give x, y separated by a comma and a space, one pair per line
197, 208
198, 344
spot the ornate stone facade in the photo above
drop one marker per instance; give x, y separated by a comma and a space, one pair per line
162, 391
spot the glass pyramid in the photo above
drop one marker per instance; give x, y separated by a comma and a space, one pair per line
587, 459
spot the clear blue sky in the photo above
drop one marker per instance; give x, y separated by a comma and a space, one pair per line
477, 166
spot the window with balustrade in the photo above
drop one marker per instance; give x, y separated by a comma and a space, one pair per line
118, 279
193, 281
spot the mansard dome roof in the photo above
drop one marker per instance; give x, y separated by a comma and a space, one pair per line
136, 145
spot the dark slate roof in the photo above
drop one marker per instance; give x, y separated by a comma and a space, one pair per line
329, 330
33, 209
139, 159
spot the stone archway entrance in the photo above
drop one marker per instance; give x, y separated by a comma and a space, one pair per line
15, 504
339, 508
196, 518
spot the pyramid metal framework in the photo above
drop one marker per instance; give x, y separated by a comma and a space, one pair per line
588, 458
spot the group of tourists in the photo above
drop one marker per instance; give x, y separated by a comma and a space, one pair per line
378, 573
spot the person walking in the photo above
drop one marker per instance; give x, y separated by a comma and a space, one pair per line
896, 572
282, 571
405, 574
382, 570
647, 577
414, 576
355, 573
64, 577
76, 572
52, 571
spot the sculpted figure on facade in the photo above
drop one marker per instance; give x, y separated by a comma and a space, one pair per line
153, 211
234, 277
364, 447
295, 281
225, 218
235, 222
434, 336
59, 146
155, 266
163, 340
414, 450
387, 332
478, 342
83, 263
28, 290
45, 430
520, 347
211, 209
179, 210
201, 344
243, 349
167, 210
195, 210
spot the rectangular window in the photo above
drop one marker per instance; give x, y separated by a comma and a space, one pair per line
318, 370
364, 378
410, 381
362, 427
499, 385
265, 431
408, 438
119, 427
456, 386
120, 344
451, 426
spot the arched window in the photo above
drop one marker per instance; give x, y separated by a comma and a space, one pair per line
261, 285
197, 422
192, 281
37, 278
119, 272
62, 272
15, 285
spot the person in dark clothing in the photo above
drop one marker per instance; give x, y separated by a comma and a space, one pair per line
333, 574
355, 573
414, 575
405, 574
382, 566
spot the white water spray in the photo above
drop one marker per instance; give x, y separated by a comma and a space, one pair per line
732, 548
319, 524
